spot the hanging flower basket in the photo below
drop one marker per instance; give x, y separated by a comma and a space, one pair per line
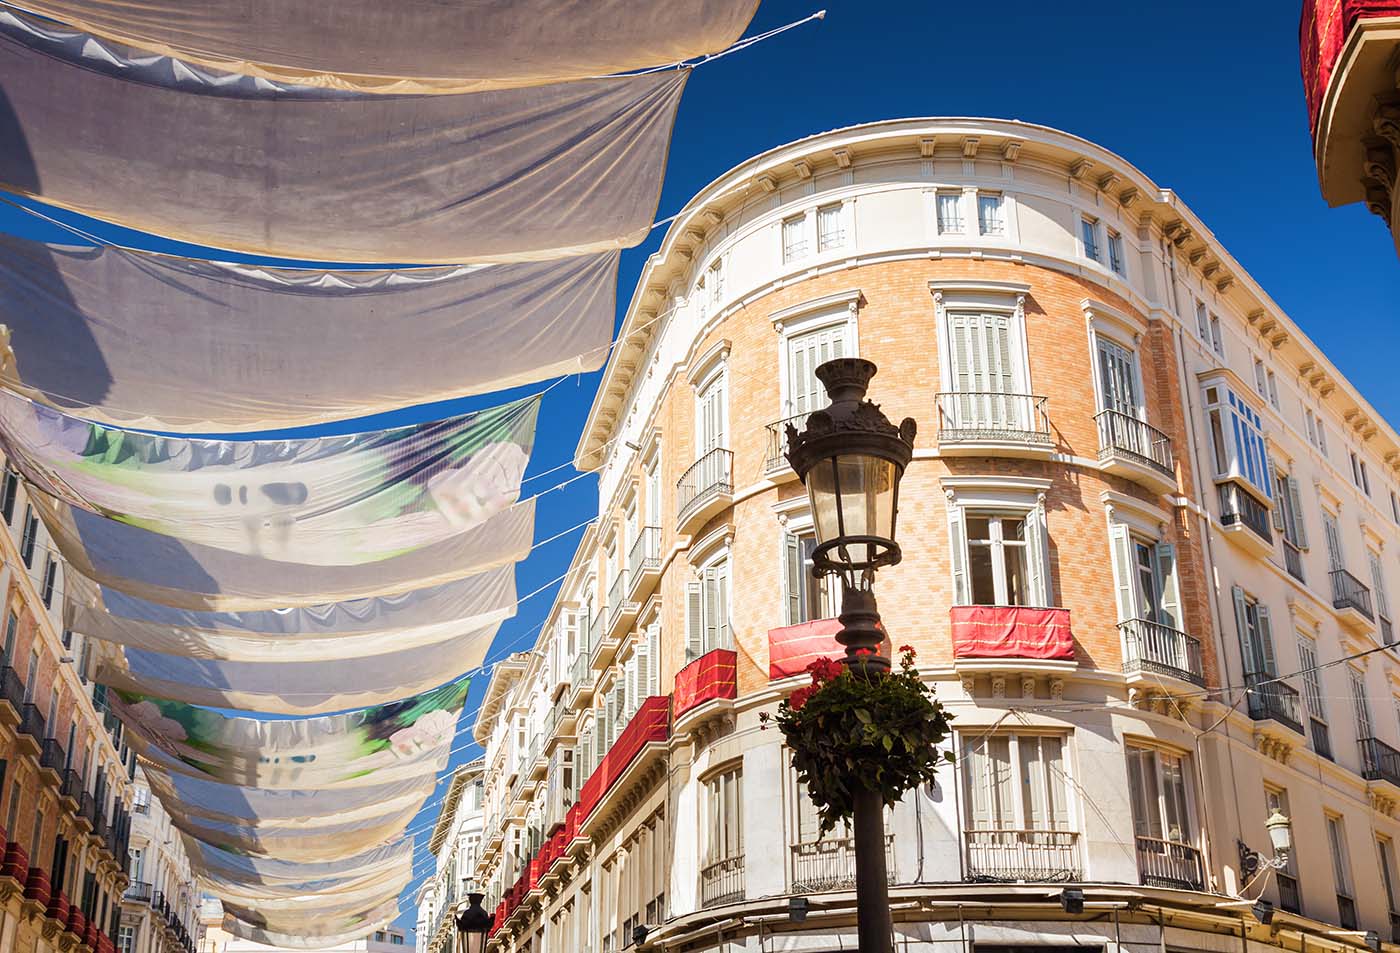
852, 729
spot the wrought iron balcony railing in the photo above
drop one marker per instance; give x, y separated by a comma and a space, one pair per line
31, 722
645, 555
1165, 863
1121, 433
1153, 647
710, 477
138, 891
11, 687
1348, 592
52, 756
1023, 855
722, 881
1293, 560
1271, 700
1239, 508
830, 864
1379, 761
980, 416
776, 457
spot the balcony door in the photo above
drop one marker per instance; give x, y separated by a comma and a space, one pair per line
710, 429
1145, 572
1158, 787
1118, 377
1334, 541
987, 373
807, 352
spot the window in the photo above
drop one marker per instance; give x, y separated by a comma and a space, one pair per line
1288, 515
1118, 377
1355, 469
987, 373
11, 630
1365, 479
991, 219
1290, 899
1333, 535
1394, 507
714, 281
830, 233
721, 875
32, 679
8, 495
1115, 253
1237, 439
1145, 575
807, 597
1273, 389
712, 410
707, 610
1387, 856
1256, 636
794, 238
1341, 872
1312, 697
1261, 383
950, 220
1382, 597
1202, 320
50, 576
1016, 782
1321, 435
1089, 232
1158, 788
126, 939
1005, 562
652, 481
805, 353
1361, 709
31, 536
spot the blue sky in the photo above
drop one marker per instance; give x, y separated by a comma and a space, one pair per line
1205, 98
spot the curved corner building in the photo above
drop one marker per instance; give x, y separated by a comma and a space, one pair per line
1138, 491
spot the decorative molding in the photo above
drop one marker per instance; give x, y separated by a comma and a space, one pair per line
766, 182
1128, 196
1011, 149
784, 316
1080, 167
842, 157
926, 146
700, 370
803, 168
969, 146
1109, 181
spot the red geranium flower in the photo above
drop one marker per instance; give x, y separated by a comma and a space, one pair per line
799, 697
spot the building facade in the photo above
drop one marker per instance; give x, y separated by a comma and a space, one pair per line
161, 905
1141, 504
1351, 76
65, 770
455, 844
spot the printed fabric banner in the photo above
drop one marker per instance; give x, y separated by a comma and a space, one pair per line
415, 45
187, 575
347, 927
161, 342
320, 175
300, 843
297, 688
309, 877
336, 630
319, 501
402, 739
239, 888
213, 802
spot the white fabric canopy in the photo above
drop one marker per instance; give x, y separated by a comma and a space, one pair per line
318, 501
300, 843
406, 738
214, 802
413, 45
186, 575
308, 875
349, 927
296, 688
234, 162
357, 628
177, 344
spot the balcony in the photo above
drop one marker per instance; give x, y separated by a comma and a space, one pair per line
1135, 450
604, 643
1293, 560
138, 891
1166, 863
1380, 762
1321, 738
1012, 856
644, 563
1011, 639
794, 647
31, 729
71, 790
622, 611
1352, 599
1150, 647
1274, 701
11, 696
722, 882
580, 681
775, 465
648, 731
991, 424
830, 864
710, 677
1246, 520
52, 761
705, 489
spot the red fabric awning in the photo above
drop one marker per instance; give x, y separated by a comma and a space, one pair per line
1011, 632
793, 647
712, 675
1322, 32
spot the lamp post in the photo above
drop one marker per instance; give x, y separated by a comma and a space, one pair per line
851, 459
473, 924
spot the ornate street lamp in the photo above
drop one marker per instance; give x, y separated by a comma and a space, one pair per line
851, 459
473, 924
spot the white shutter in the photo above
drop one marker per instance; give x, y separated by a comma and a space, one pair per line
654, 660
1295, 499
1171, 598
629, 696
1038, 557
694, 621
1247, 649
1266, 640
642, 680
976, 767
1121, 549
722, 606
792, 578
1278, 515
957, 554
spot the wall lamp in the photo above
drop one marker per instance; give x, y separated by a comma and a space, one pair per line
1072, 900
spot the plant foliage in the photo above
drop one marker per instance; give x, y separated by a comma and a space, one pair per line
858, 728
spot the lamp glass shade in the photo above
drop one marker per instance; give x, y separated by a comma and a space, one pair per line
475, 942
853, 494
1280, 832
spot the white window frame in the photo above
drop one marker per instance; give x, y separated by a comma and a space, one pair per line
999, 198
724, 814
1005, 497
954, 296
796, 528
840, 310
1124, 539
1117, 253
710, 371
1020, 785
1187, 795
959, 227
1091, 238
801, 248
711, 590
843, 231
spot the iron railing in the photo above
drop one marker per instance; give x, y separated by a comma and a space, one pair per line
776, 456
1153, 647
1293, 560
1271, 700
1023, 855
138, 891
1348, 592
72, 785
708, 478
11, 687
975, 416
645, 555
31, 722
1237, 507
722, 881
1121, 433
1379, 761
581, 676
830, 864
1346, 912
87, 807
1387, 632
1289, 897
1166, 863
52, 756
1321, 738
